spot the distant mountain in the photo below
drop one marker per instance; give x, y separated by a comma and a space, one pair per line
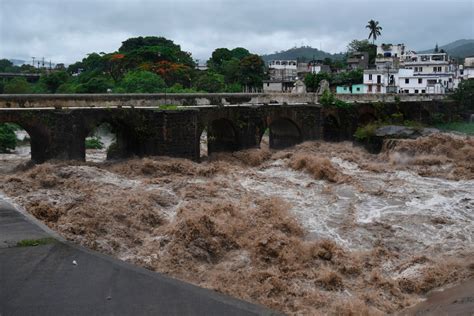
460, 48
304, 53
17, 62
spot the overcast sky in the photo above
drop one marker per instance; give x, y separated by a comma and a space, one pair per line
67, 30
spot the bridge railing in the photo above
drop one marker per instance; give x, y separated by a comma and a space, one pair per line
190, 99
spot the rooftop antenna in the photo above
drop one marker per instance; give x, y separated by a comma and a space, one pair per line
42, 63
33, 61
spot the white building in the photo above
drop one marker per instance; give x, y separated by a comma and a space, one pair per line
283, 69
403, 71
389, 56
411, 82
467, 72
381, 80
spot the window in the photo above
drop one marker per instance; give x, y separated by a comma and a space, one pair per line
407, 80
434, 69
370, 77
357, 89
379, 78
370, 88
421, 69
423, 91
268, 84
416, 91
416, 69
439, 69
420, 81
378, 88
406, 91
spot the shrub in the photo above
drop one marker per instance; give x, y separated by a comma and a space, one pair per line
367, 131
327, 99
8, 139
94, 143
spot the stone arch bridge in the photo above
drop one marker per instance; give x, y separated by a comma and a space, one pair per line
58, 127
61, 133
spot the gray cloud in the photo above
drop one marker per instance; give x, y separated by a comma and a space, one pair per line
66, 30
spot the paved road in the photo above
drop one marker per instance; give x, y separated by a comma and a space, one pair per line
42, 280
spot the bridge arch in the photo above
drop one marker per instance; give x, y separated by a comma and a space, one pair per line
122, 142
222, 136
366, 118
15, 147
425, 116
283, 133
39, 136
331, 128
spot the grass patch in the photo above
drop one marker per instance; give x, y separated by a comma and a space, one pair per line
35, 242
463, 127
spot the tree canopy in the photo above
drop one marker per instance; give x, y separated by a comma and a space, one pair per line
374, 29
144, 65
363, 46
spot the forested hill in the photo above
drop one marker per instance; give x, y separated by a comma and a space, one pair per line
304, 53
460, 48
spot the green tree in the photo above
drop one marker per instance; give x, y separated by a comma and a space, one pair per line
17, 86
218, 57
464, 95
210, 82
95, 85
312, 80
26, 68
233, 88
67, 88
8, 139
53, 80
251, 71
363, 46
374, 29
7, 66
230, 70
141, 81
239, 53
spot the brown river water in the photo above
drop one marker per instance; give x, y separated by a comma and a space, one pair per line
320, 228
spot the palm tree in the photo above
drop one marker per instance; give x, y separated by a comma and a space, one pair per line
375, 29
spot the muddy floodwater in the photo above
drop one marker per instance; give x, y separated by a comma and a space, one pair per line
315, 229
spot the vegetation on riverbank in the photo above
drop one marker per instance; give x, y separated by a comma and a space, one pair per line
461, 127
8, 139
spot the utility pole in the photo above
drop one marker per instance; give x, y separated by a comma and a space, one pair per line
33, 64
